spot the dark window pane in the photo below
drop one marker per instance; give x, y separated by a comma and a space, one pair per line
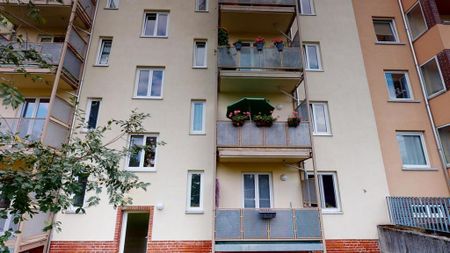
93, 114
328, 191
78, 199
397, 86
249, 191
195, 190
135, 156
149, 156
264, 191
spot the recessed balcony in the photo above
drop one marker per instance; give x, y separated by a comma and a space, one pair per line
250, 143
257, 16
267, 70
248, 229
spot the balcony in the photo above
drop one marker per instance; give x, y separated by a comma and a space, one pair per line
257, 16
266, 71
250, 143
239, 230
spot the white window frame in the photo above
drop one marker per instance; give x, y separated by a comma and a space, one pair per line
141, 167
205, 60
150, 84
429, 96
408, 85
88, 111
318, 52
155, 31
203, 131
440, 144
197, 4
189, 208
424, 20
327, 119
100, 50
313, 8
108, 4
424, 150
124, 225
256, 174
393, 26
324, 209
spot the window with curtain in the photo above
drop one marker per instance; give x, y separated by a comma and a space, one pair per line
385, 30
195, 191
416, 21
412, 150
444, 135
306, 7
104, 51
200, 54
197, 117
320, 119
312, 54
432, 77
143, 155
201, 5
398, 85
112, 4
257, 190
155, 24
149, 83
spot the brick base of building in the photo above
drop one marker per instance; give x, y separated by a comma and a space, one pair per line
333, 246
112, 247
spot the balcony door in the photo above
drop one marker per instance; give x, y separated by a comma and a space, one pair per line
248, 56
257, 190
34, 111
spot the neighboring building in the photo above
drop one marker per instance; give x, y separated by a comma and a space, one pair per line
346, 68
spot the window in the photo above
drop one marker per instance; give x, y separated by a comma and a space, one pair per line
34, 111
195, 191
93, 107
412, 149
398, 85
306, 7
328, 190
312, 53
385, 30
149, 82
8, 224
52, 38
432, 77
134, 233
444, 135
104, 51
416, 21
197, 117
112, 4
155, 24
143, 155
257, 190
321, 120
201, 5
200, 54
78, 199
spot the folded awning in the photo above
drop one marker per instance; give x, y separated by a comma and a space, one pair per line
276, 246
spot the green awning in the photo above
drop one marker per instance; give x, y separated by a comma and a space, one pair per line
252, 105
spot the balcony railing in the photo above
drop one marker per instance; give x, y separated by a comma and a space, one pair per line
427, 213
247, 224
249, 135
249, 58
259, 2
50, 52
89, 7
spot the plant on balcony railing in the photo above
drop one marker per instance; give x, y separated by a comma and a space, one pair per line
238, 45
293, 120
238, 118
223, 37
263, 120
279, 44
259, 43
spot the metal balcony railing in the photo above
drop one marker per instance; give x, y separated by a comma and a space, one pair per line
278, 135
249, 58
88, 7
421, 212
248, 224
259, 2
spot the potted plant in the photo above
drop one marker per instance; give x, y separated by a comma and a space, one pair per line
293, 120
259, 43
238, 45
238, 118
223, 37
279, 44
262, 120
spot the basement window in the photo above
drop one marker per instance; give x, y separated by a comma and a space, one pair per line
134, 232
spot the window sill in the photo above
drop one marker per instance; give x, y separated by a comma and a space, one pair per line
199, 67
112, 9
147, 98
306, 14
72, 211
419, 169
314, 70
200, 11
389, 43
141, 169
332, 212
437, 94
323, 135
403, 101
154, 37
100, 65
194, 212
197, 134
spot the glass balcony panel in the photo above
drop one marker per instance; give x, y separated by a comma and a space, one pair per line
72, 64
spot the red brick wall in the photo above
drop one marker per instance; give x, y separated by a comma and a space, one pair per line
444, 64
352, 246
431, 12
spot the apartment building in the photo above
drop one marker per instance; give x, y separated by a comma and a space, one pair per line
229, 178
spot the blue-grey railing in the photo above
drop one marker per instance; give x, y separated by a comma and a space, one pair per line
247, 224
421, 212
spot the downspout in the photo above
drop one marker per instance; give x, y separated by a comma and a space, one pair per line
427, 104
47, 246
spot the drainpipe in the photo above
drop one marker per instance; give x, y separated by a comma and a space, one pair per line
427, 104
